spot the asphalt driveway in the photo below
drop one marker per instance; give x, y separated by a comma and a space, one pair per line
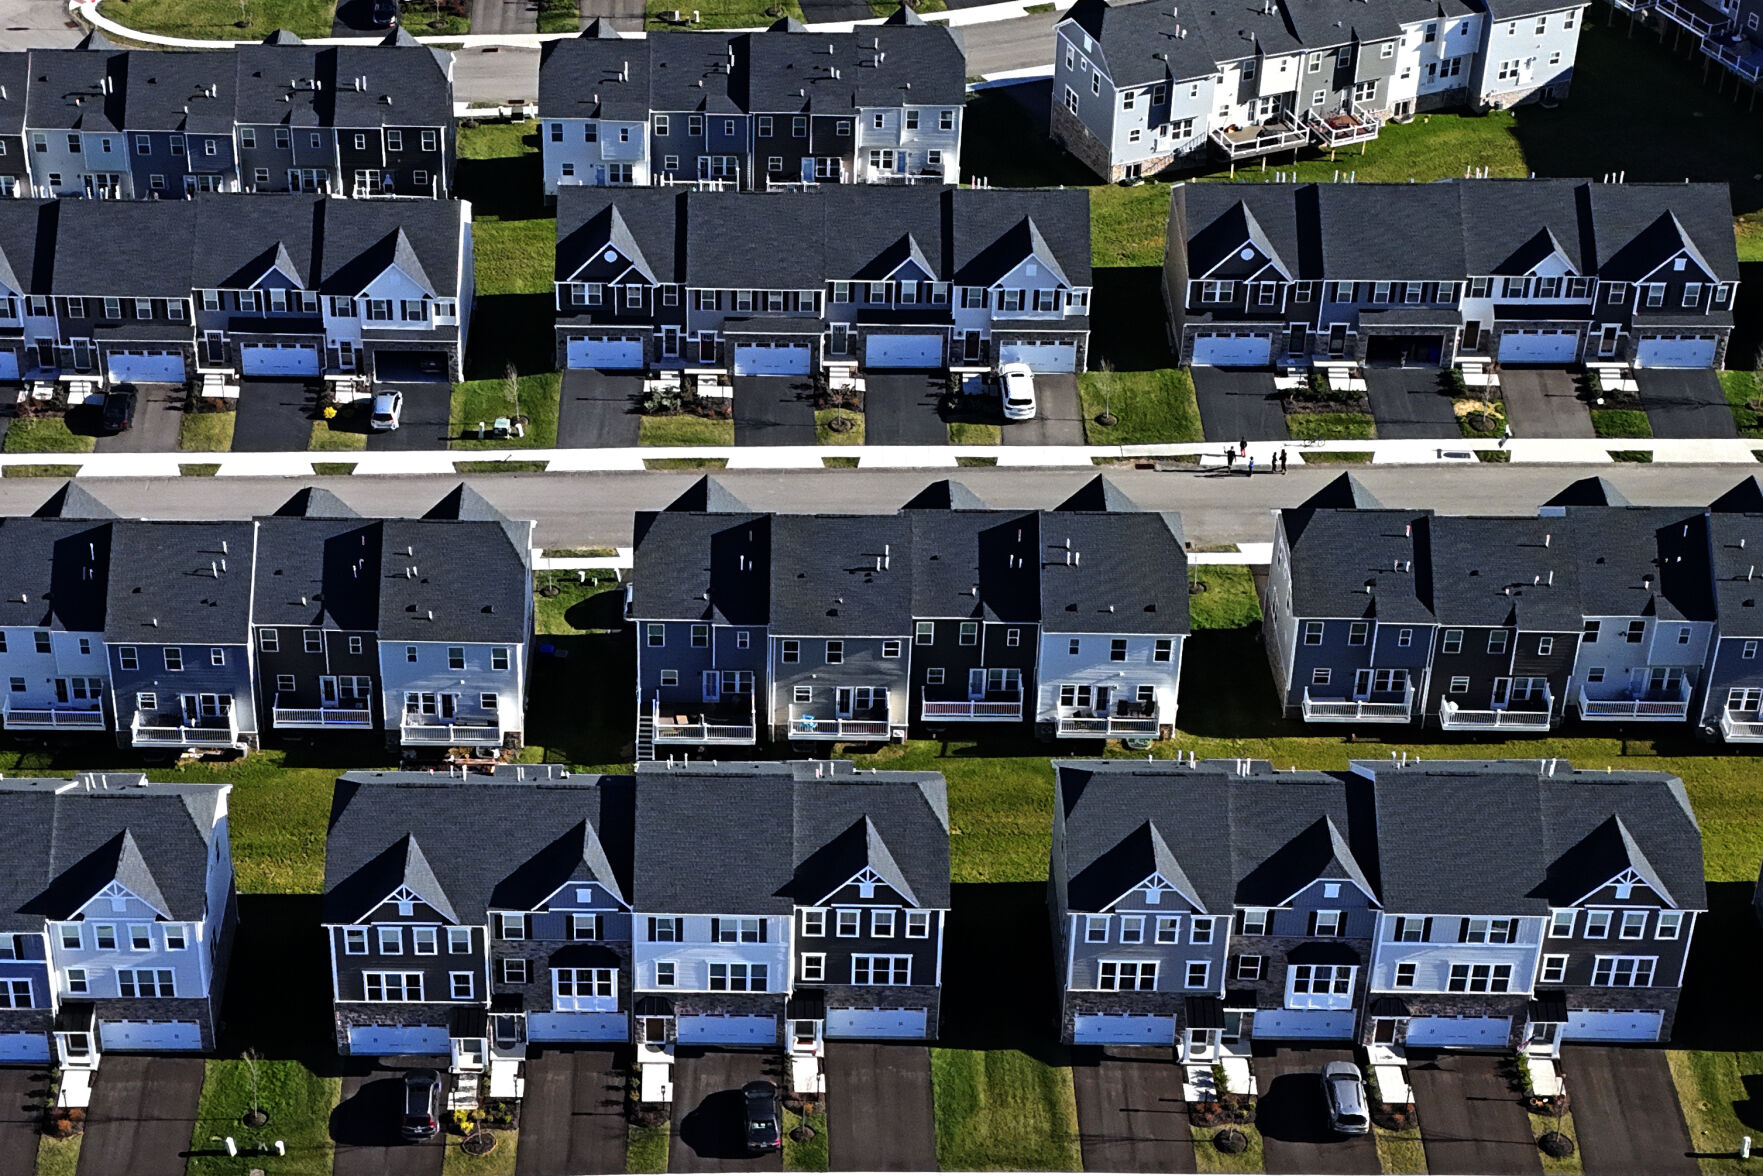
1410, 402
274, 417
900, 408
1625, 1111
365, 1128
598, 410
1470, 1120
159, 416
426, 423
1130, 1113
1685, 402
878, 1100
773, 410
142, 1115
708, 1135
1238, 404
1293, 1116
1059, 414
1544, 402
22, 1089
572, 1119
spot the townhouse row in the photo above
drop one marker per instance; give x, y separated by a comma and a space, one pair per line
1549, 272
97, 292
756, 627
754, 111
1595, 607
184, 635
901, 278
365, 121
1498, 905
1728, 33
1140, 87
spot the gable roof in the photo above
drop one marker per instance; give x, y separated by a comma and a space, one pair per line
72, 500
1595, 491
945, 494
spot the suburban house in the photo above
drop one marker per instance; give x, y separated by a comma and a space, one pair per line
919, 278
1728, 32
117, 914
808, 892
470, 948
1207, 905
1143, 86
1516, 271
365, 121
759, 627
754, 111
1732, 704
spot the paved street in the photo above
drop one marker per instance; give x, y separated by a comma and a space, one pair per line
1293, 1116
1130, 1113
879, 1108
21, 1096
365, 1128
572, 1119
1685, 402
708, 1135
1544, 402
1059, 416
1625, 1111
1238, 403
142, 1115
1470, 1119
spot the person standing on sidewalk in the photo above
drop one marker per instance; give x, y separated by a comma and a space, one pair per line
1243, 447
1251, 465
1282, 461
1230, 459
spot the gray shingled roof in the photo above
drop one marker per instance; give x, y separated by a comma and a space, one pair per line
54, 574
1502, 571
167, 584
837, 575
1642, 561
702, 567
1127, 573
1369, 564
318, 573
190, 92
453, 581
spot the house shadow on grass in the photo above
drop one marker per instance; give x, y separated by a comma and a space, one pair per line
511, 328
508, 187
579, 709
1718, 1009
279, 943
1129, 329
1005, 140
990, 922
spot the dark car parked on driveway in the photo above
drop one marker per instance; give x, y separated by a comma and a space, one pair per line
119, 409
763, 1123
422, 1093
383, 13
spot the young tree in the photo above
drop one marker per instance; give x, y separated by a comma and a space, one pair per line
1105, 377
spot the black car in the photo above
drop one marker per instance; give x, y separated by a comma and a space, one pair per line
422, 1093
763, 1125
383, 14
119, 409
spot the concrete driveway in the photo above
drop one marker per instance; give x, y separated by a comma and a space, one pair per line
1544, 402
597, 410
1059, 414
1470, 1119
900, 408
1410, 402
572, 1119
773, 410
708, 1135
1293, 1116
1626, 1115
504, 16
274, 417
365, 1128
879, 1107
22, 1089
142, 1116
1685, 402
1130, 1113
159, 415
427, 419
1238, 403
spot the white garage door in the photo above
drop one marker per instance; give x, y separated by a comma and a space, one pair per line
1042, 357
1611, 1025
707, 1030
1676, 351
382, 1040
1474, 1032
1303, 1023
903, 351
772, 359
149, 1035
602, 352
279, 359
24, 1047
8, 365
1539, 346
875, 1023
1123, 1029
146, 367
577, 1027
1233, 349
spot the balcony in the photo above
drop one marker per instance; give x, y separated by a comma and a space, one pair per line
1280, 134
54, 718
418, 730
205, 731
878, 176
1670, 705
1382, 707
1126, 719
728, 721
994, 706
1741, 726
1342, 128
1740, 54
861, 725
1704, 20
1455, 718
357, 718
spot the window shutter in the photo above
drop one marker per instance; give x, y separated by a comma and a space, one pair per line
762, 925
716, 930
652, 927
1426, 929
1463, 931
1312, 924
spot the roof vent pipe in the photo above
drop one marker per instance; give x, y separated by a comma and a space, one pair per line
1546, 539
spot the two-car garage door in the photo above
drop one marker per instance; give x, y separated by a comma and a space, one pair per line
154, 1035
1539, 346
1123, 1029
1233, 348
876, 1023
280, 359
607, 352
1676, 351
772, 359
145, 366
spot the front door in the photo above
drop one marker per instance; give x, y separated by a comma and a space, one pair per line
654, 1030
1203, 1044
1383, 1030
840, 343
670, 342
972, 346
1607, 341
1297, 339
1471, 335
1337, 340
804, 1036
82, 355
706, 348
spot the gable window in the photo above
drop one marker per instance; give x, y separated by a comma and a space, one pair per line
391, 940
1597, 924
1668, 925
1200, 930
918, 925
1132, 928
1127, 976
881, 924
71, 939
141, 937
458, 940
1327, 924
1561, 923
1095, 928
424, 941
1634, 925
813, 923
848, 923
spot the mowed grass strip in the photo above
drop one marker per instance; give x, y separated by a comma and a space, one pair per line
1003, 1110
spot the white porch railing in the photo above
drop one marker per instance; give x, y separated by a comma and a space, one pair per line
53, 718
1743, 56
1455, 718
1074, 724
808, 723
1695, 18
220, 731
1741, 726
1342, 127
433, 731
972, 709
674, 727
1622, 709
1260, 139
320, 717
1351, 710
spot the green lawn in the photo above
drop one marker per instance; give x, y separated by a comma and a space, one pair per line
572, 610
58, 1157
684, 430
514, 256
645, 1149
975, 433
219, 19
1229, 601
812, 1155
1621, 422
1400, 1153
338, 434
299, 1104
1331, 426
1750, 238
485, 400
559, 16
500, 1162
46, 435
824, 434
1207, 1157
887, 8
1741, 390
1150, 407
720, 14
1002, 1109
206, 432
1565, 1165
1711, 1087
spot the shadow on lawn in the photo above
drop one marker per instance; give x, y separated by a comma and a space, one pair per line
989, 922
508, 187
1718, 1009
511, 328
1129, 330
279, 942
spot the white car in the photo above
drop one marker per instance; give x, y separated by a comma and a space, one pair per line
1018, 383
388, 407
